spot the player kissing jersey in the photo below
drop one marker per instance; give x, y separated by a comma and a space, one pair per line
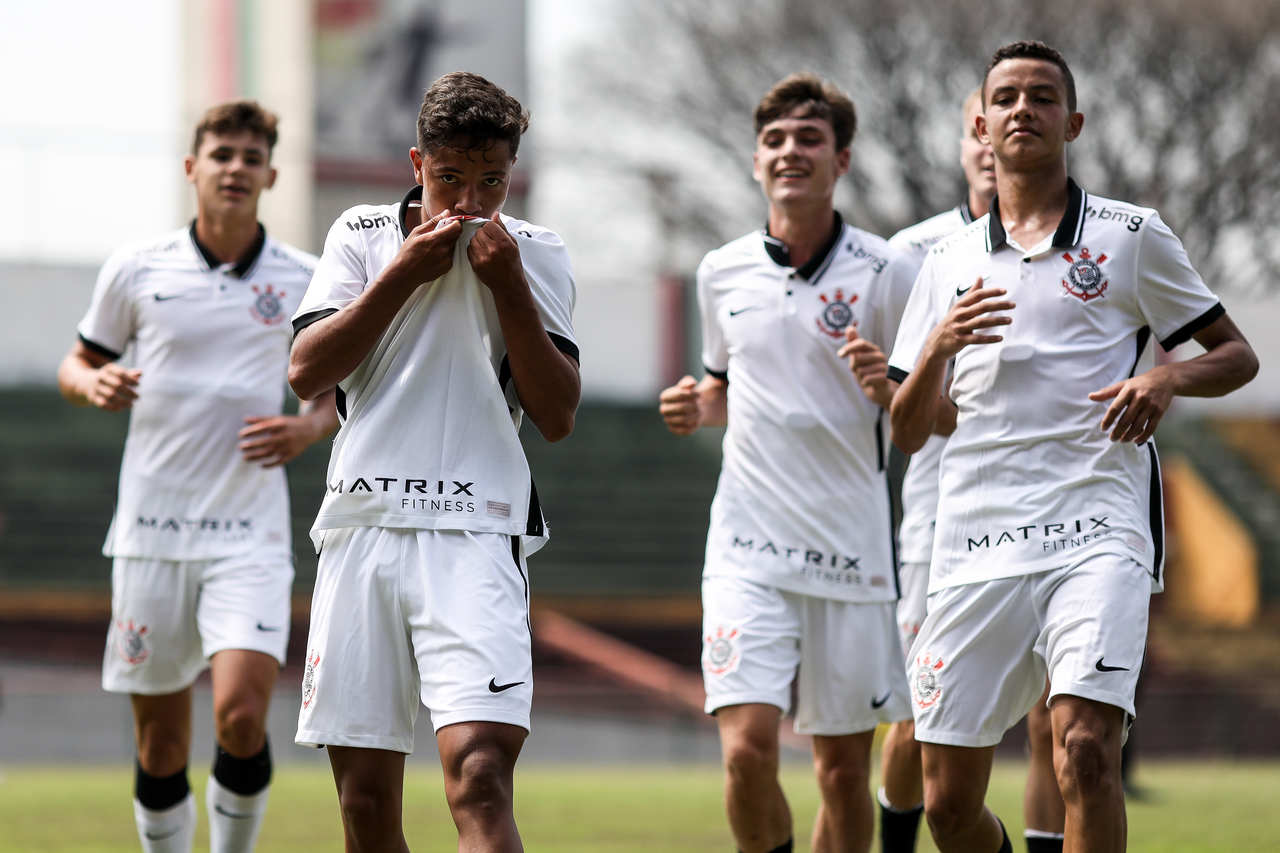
1029, 481
430, 417
802, 503
212, 343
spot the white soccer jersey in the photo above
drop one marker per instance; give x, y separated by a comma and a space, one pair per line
920, 483
803, 501
212, 342
1029, 481
430, 417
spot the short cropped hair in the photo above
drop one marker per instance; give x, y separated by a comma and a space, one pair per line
237, 117
817, 98
465, 111
1032, 50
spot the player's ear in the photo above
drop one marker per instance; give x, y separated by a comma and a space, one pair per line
271, 177
188, 167
980, 125
843, 158
1075, 124
416, 158
755, 168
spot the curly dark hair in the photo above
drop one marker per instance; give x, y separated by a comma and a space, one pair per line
1032, 50
819, 98
234, 117
464, 110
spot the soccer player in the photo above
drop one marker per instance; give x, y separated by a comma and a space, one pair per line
200, 539
901, 797
800, 572
1049, 534
441, 321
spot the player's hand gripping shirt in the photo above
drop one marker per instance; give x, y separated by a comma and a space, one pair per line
212, 342
430, 417
920, 483
802, 502
1029, 481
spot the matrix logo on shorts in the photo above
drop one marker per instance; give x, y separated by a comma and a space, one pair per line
131, 642
837, 313
721, 651
309, 678
266, 309
926, 686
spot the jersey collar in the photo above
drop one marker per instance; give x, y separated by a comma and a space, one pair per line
414, 194
1070, 229
246, 262
781, 255
966, 213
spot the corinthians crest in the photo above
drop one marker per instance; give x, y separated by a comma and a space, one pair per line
309, 678
836, 313
266, 308
131, 642
1084, 276
721, 652
926, 685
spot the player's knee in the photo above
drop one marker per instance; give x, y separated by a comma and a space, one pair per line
951, 811
749, 759
160, 756
239, 728
1086, 766
479, 780
842, 779
366, 808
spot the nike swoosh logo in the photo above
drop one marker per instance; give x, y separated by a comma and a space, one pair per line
963, 291
161, 836
160, 298
733, 313
877, 703
220, 810
1101, 667
262, 627
494, 687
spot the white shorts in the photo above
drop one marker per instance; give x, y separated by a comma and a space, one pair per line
401, 616
980, 661
913, 582
168, 617
756, 638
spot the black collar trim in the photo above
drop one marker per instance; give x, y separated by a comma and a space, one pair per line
966, 213
1070, 229
781, 255
246, 262
414, 194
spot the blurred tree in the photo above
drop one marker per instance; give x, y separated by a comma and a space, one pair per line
1181, 99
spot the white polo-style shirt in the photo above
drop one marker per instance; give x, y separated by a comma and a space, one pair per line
1029, 481
212, 342
430, 417
920, 483
802, 503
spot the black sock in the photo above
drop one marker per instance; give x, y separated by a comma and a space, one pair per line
898, 829
243, 776
1044, 843
784, 847
160, 792
1007, 846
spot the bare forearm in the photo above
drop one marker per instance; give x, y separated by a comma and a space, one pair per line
713, 401
74, 379
1219, 371
914, 409
321, 414
547, 380
327, 351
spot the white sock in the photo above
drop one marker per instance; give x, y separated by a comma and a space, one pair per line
234, 820
169, 831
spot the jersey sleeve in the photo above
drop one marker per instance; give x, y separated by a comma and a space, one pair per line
715, 350
896, 282
341, 275
110, 322
1172, 298
918, 319
546, 266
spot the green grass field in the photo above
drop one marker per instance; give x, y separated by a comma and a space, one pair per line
1193, 808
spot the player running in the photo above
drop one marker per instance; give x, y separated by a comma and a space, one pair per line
441, 321
202, 559
1049, 538
901, 798
800, 579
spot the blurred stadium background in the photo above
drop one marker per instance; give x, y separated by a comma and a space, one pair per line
636, 155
